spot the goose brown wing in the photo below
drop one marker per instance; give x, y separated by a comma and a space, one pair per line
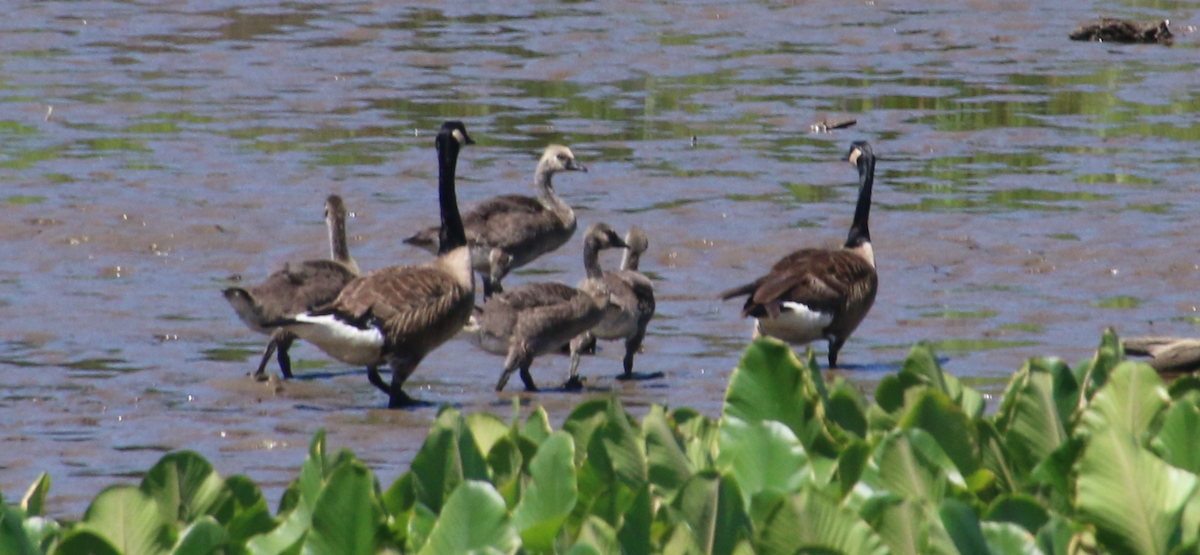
300, 287
508, 220
405, 299
822, 280
534, 295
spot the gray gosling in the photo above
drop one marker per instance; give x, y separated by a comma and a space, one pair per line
814, 294
510, 231
294, 289
397, 315
633, 308
535, 318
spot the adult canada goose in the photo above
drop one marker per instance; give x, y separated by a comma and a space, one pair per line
399, 314
814, 294
296, 288
535, 318
510, 231
633, 307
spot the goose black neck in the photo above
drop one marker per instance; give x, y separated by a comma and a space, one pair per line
451, 235
859, 231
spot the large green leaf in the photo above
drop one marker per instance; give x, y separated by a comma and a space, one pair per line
934, 412
1131, 400
1030, 418
615, 469
962, 526
285, 539
811, 522
668, 465
597, 534
537, 426
762, 456
698, 434
907, 470
474, 518
13, 537
1020, 509
43, 532
635, 533
1095, 373
907, 526
247, 510
82, 541
771, 384
1177, 439
205, 536
1005, 538
449, 456
551, 494
1134, 499
130, 520
712, 507
487, 429
185, 486
34, 502
347, 518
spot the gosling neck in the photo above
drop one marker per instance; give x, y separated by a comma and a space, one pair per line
338, 246
544, 185
591, 260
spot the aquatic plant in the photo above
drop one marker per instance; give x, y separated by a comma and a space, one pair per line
1098, 458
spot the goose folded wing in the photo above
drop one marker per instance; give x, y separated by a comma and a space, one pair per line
819, 280
404, 299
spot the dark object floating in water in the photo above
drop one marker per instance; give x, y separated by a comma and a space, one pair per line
1110, 29
829, 125
1170, 355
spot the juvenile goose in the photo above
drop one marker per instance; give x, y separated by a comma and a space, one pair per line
633, 307
510, 231
1110, 29
399, 314
814, 294
535, 318
295, 289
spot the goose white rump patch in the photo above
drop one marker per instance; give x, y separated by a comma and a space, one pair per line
796, 324
340, 340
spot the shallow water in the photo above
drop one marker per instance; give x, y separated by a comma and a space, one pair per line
1031, 191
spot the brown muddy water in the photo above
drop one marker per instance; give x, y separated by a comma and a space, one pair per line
1031, 191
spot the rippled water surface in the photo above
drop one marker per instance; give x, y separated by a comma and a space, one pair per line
1031, 191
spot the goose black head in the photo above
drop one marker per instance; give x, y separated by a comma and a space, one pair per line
453, 132
860, 153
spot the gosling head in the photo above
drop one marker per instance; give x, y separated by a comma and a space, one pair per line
602, 236
335, 209
637, 240
558, 158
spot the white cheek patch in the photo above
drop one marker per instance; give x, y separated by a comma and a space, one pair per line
340, 340
458, 136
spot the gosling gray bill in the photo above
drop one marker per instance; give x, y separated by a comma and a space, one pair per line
814, 294
510, 231
535, 318
633, 308
397, 315
295, 289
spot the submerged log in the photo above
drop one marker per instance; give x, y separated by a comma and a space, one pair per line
1168, 354
1110, 29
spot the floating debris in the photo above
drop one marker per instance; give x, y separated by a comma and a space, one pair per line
1110, 29
829, 125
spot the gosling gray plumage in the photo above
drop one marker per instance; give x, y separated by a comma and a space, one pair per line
814, 294
296, 288
535, 318
397, 315
510, 231
633, 307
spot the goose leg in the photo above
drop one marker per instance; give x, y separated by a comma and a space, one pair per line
632, 346
835, 345
377, 380
285, 362
573, 382
516, 359
526, 376
402, 368
261, 374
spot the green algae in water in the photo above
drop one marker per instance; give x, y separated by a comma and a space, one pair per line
25, 199
959, 314
964, 344
1121, 302
1064, 236
1032, 328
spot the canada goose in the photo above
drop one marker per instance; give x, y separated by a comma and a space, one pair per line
1110, 29
295, 289
399, 314
510, 231
534, 318
633, 300
812, 294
